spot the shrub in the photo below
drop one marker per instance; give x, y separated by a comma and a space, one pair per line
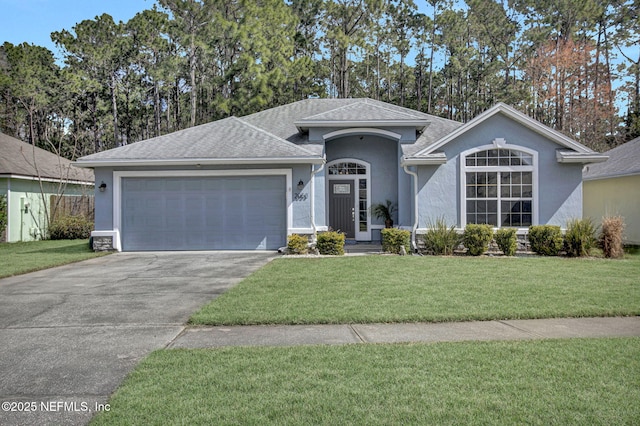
441, 239
3, 213
394, 238
611, 235
298, 244
545, 239
507, 241
330, 242
580, 237
476, 238
70, 228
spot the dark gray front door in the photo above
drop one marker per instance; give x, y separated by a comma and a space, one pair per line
342, 213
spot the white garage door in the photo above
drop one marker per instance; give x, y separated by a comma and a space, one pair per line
203, 213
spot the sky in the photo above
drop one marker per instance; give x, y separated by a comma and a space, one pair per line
33, 21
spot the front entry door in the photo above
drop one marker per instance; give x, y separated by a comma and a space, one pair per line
342, 208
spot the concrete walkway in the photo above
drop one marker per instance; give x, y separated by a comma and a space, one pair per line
290, 335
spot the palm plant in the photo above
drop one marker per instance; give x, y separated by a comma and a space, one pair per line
384, 211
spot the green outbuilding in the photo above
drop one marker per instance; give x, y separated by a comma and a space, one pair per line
29, 178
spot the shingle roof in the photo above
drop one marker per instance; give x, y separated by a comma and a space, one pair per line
19, 158
229, 138
280, 121
270, 134
624, 160
363, 110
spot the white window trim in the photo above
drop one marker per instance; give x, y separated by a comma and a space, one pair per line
360, 236
117, 189
498, 143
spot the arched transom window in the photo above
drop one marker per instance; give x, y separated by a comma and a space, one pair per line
347, 168
499, 187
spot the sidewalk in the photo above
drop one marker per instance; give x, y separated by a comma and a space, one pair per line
291, 335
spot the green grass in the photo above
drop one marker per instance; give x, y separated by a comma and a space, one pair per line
20, 258
408, 289
560, 382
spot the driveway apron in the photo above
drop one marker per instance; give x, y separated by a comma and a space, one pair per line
71, 334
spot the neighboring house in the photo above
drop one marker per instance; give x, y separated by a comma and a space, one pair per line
247, 183
28, 177
613, 188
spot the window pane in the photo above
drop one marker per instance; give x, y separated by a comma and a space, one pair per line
482, 192
504, 191
492, 178
471, 192
492, 219
526, 220
471, 178
492, 191
492, 206
516, 178
527, 191
481, 206
516, 192
526, 206
527, 178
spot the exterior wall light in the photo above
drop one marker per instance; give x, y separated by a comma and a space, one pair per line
102, 186
300, 185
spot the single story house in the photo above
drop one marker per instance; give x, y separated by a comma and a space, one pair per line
248, 182
29, 176
612, 188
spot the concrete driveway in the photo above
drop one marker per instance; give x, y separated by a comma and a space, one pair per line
71, 334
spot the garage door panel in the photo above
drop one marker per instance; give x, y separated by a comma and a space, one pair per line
203, 213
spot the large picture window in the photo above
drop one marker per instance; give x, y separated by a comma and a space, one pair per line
499, 188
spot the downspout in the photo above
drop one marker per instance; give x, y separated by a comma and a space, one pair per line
312, 194
414, 245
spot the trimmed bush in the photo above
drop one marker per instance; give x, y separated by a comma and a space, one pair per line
507, 241
330, 242
476, 238
580, 237
70, 228
440, 239
393, 239
298, 244
545, 239
611, 236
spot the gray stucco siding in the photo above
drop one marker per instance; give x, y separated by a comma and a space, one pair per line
104, 200
559, 184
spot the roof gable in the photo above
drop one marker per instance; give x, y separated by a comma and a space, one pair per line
624, 160
18, 158
518, 117
363, 112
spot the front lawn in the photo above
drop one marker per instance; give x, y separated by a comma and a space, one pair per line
20, 258
560, 382
370, 289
